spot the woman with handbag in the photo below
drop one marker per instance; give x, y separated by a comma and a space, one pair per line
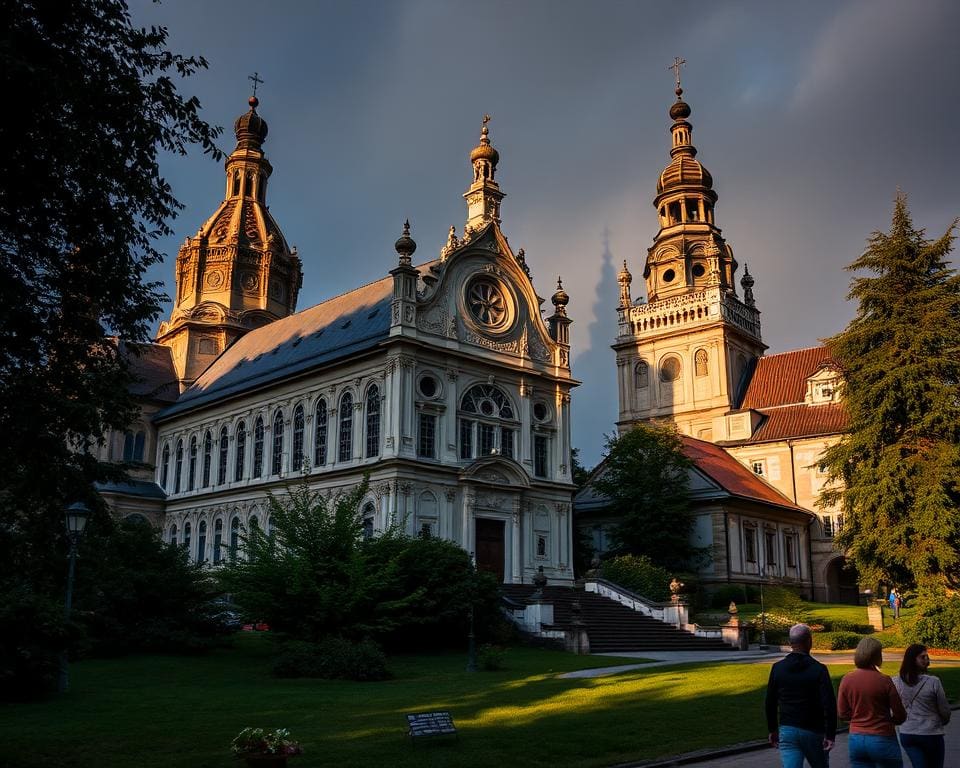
921, 734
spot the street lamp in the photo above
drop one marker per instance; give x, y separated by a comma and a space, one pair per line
76, 520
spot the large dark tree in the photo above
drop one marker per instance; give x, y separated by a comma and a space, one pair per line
896, 472
646, 477
91, 105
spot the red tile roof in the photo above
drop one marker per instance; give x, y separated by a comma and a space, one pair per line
801, 421
731, 475
782, 379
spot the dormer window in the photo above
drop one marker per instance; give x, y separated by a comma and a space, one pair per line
824, 386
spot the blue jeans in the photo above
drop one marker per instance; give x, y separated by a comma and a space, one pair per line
923, 751
799, 743
868, 750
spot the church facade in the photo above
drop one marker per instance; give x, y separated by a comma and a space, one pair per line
691, 352
445, 383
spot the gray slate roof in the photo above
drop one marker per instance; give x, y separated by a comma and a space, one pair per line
144, 489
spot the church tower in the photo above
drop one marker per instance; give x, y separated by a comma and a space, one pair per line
237, 273
684, 354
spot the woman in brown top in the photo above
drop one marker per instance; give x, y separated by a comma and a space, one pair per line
870, 702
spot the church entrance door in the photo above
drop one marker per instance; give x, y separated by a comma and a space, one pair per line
490, 549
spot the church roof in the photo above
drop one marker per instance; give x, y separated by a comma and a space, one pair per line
154, 375
782, 379
339, 327
793, 421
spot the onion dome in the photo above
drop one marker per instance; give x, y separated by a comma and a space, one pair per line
684, 170
560, 299
747, 280
624, 275
405, 245
250, 128
484, 150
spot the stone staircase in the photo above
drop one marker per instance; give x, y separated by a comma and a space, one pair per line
611, 627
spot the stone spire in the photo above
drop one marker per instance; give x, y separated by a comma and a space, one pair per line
624, 278
559, 325
483, 196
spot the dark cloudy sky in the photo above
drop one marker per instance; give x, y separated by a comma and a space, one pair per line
809, 116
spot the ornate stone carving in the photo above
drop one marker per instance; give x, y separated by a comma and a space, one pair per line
451, 494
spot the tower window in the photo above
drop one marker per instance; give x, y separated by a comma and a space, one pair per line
700, 363
641, 375
670, 369
669, 276
699, 270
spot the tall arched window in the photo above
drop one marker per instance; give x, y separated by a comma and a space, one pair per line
240, 455
369, 512
487, 422
173, 534
320, 434
700, 362
222, 463
217, 541
202, 542
234, 538
178, 473
373, 421
192, 469
139, 444
207, 458
297, 457
258, 447
276, 465
187, 529
345, 443
641, 375
165, 467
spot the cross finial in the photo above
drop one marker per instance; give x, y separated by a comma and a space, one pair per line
486, 119
255, 78
677, 63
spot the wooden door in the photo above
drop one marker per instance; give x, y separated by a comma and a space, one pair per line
490, 549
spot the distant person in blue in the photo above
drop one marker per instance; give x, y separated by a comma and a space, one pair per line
801, 707
894, 599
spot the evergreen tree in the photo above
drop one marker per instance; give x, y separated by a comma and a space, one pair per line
645, 476
896, 472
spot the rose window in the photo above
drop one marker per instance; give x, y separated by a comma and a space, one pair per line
487, 303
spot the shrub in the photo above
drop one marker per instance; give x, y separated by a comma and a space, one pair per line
787, 603
844, 625
490, 657
333, 658
638, 574
32, 636
836, 641
722, 596
937, 624
892, 640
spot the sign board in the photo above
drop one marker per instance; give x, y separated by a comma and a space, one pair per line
422, 724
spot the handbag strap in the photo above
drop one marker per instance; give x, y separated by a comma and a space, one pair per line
914, 697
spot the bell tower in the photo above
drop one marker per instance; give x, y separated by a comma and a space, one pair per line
685, 352
237, 273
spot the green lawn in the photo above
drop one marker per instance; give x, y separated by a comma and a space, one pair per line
163, 711
818, 612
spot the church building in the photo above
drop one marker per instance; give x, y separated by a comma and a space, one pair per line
447, 383
692, 353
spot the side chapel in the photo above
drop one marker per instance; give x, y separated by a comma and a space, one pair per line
447, 382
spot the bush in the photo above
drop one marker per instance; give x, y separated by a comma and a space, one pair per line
786, 603
721, 597
490, 657
333, 658
844, 625
937, 624
836, 641
892, 640
32, 636
638, 574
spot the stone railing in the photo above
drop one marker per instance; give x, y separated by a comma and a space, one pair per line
688, 311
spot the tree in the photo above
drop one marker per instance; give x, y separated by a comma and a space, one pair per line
82, 203
896, 470
645, 476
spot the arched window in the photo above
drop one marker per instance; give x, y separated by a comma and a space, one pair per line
173, 534
670, 370
187, 529
298, 457
128, 441
276, 465
222, 464
217, 541
178, 474
368, 514
700, 362
641, 375
207, 458
192, 470
345, 447
202, 542
139, 444
320, 434
234, 538
165, 467
373, 421
270, 525
258, 447
241, 451
487, 423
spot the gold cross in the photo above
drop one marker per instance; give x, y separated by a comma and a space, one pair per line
677, 63
255, 77
486, 119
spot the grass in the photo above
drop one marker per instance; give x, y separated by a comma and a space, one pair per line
154, 711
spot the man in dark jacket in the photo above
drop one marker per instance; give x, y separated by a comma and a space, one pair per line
800, 689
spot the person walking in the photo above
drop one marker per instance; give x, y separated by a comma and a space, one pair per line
892, 599
921, 734
897, 602
869, 700
800, 696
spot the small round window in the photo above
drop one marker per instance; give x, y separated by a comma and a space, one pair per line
429, 386
699, 270
488, 304
669, 276
540, 411
670, 369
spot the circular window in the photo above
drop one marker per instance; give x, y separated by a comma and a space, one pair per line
540, 411
428, 386
487, 303
488, 407
670, 369
669, 275
699, 270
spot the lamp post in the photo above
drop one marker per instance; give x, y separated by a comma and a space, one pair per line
76, 520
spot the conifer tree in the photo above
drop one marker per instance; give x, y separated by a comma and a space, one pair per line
896, 472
